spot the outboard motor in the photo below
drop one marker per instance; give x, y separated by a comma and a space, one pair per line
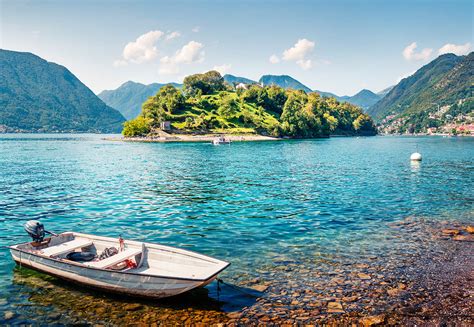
36, 230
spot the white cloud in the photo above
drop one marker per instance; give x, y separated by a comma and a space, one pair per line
299, 51
460, 50
188, 54
141, 50
409, 53
222, 69
196, 29
305, 63
173, 35
274, 59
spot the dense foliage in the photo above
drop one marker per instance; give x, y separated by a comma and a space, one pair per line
40, 96
206, 105
203, 84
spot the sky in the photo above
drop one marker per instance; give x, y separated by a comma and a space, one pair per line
333, 46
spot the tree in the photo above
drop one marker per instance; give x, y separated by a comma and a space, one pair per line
160, 107
139, 126
277, 98
364, 124
207, 83
293, 123
188, 122
228, 107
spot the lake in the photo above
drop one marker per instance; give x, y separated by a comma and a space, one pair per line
290, 216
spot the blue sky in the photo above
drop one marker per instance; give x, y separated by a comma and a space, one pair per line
334, 46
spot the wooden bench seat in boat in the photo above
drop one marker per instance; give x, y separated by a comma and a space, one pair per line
66, 247
115, 259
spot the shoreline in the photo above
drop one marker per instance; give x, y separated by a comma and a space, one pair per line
435, 288
205, 138
208, 138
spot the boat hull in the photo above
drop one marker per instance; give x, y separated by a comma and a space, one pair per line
109, 280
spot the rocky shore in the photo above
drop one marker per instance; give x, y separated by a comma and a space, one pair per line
427, 280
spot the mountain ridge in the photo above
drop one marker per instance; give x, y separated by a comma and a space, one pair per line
41, 96
436, 98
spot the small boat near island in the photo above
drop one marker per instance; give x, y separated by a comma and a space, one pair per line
220, 140
134, 268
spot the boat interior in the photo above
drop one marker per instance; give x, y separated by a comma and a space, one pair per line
137, 257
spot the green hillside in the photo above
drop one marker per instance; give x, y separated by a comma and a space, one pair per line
438, 94
40, 96
207, 105
405, 96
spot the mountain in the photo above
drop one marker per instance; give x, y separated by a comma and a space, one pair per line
328, 95
385, 91
41, 96
128, 97
419, 91
231, 79
284, 81
438, 98
364, 99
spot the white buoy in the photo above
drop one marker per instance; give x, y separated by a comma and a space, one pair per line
415, 157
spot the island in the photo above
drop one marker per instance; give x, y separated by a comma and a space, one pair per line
207, 106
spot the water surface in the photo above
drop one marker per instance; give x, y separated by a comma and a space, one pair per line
259, 205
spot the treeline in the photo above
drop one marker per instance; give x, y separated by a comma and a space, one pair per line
207, 103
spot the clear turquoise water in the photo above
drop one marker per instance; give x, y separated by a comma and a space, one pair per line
248, 203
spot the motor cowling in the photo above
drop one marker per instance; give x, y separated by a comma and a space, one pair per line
35, 229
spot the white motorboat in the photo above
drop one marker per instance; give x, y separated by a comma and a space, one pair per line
138, 269
220, 140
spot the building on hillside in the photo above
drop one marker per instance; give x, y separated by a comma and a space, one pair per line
165, 125
241, 86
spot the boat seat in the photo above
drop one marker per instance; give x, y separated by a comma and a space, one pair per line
66, 247
115, 259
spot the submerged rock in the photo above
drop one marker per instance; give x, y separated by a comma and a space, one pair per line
8, 315
259, 288
451, 232
335, 307
363, 276
372, 320
464, 238
132, 307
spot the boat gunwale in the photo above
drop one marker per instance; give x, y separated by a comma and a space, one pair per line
227, 264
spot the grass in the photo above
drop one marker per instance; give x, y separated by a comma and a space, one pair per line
246, 118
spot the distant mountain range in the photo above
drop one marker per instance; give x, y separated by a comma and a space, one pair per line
40, 96
128, 98
233, 80
284, 81
443, 81
363, 99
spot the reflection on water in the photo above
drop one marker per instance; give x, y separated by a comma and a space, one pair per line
300, 221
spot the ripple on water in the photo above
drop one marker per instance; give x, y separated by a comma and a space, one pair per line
290, 216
